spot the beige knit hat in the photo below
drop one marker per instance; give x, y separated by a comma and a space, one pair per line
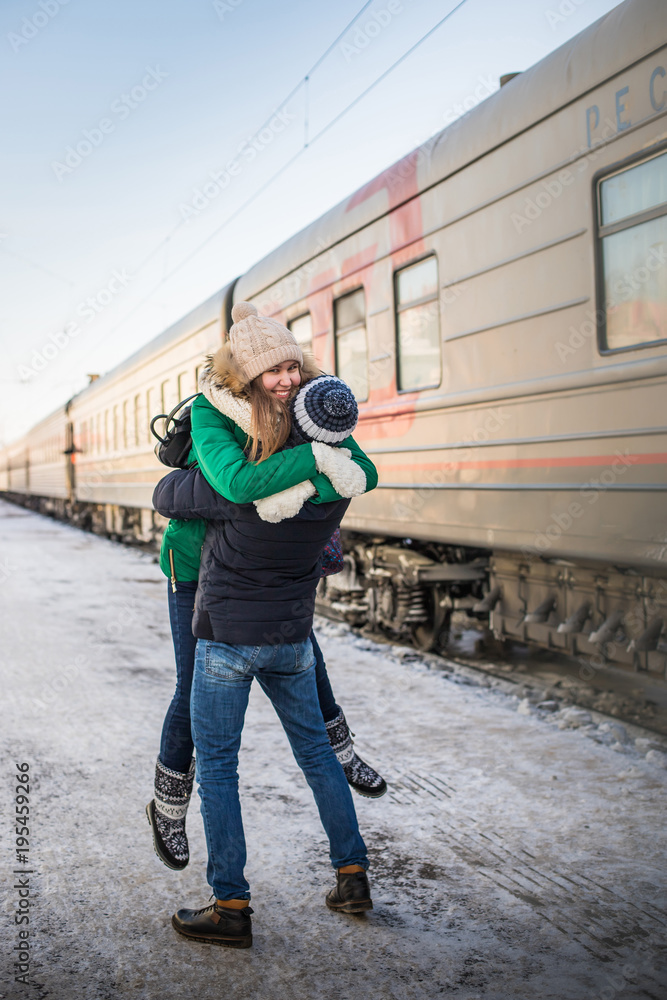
258, 342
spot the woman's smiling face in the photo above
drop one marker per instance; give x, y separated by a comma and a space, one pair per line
281, 380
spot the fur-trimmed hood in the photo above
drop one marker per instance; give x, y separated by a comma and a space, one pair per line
226, 387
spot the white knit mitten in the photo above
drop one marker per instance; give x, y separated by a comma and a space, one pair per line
287, 503
346, 477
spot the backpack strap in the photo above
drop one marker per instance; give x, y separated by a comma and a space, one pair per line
173, 449
167, 417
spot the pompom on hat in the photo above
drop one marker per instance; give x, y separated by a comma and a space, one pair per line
324, 409
258, 342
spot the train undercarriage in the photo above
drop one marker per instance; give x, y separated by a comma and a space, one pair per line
406, 589
602, 615
131, 525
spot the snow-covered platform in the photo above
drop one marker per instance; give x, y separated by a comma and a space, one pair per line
517, 854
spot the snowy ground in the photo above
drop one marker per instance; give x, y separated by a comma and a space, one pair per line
520, 852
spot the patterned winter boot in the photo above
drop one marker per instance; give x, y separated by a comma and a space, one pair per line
360, 775
166, 814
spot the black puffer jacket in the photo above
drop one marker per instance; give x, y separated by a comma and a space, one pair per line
257, 579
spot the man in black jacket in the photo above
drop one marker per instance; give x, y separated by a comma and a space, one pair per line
253, 618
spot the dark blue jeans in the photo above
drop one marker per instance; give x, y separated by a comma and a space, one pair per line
222, 680
176, 745
325, 696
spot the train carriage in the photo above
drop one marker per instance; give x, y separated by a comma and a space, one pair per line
37, 465
498, 302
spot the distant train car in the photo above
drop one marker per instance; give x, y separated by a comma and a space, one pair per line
37, 465
15, 474
498, 302
92, 461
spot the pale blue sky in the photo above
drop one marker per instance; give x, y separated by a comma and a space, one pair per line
208, 75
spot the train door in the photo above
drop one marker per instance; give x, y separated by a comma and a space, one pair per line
70, 467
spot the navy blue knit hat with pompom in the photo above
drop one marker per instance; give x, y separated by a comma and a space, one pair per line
324, 409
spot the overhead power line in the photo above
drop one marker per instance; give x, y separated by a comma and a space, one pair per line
265, 124
278, 173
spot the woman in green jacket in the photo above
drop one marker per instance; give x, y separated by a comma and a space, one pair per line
243, 441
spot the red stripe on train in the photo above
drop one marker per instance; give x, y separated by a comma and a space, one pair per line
657, 458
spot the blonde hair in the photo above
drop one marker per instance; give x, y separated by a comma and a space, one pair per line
270, 422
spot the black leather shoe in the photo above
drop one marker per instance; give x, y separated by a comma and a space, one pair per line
352, 893
216, 925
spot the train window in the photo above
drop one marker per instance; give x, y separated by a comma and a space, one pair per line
126, 422
635, 190
632, 231
182, 386
351, 342
137, 406
149, 414
302, 328
419, 358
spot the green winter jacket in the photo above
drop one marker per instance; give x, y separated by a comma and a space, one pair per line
218, 448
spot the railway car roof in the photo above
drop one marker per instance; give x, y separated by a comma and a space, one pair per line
625, 35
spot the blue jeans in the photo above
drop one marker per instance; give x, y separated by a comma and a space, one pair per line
328, 706
176, 742
220, 689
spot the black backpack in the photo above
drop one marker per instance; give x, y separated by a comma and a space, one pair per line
173, 449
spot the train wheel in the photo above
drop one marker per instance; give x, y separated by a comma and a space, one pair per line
433, 633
